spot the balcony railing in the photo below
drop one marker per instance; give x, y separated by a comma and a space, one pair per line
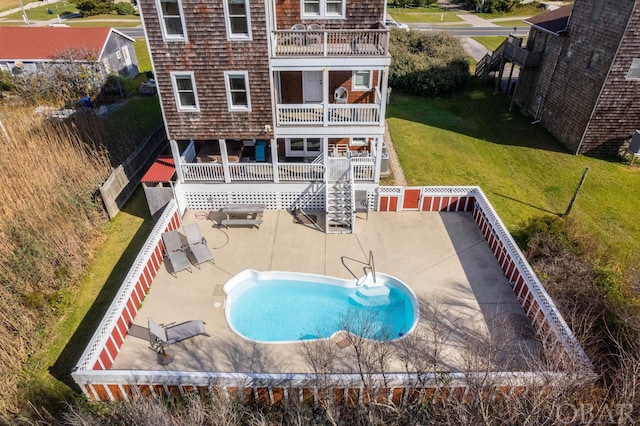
327, 114
374, 42
363, 170
521, 56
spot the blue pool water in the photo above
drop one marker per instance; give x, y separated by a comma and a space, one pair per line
284, 310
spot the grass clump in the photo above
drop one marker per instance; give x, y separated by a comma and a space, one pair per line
49, 223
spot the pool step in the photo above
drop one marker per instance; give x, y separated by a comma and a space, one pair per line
371, 295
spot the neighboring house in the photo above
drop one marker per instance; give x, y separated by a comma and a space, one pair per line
29, 49
265, 102
586, 87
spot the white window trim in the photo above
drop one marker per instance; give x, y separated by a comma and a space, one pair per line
232, 107
357, 88
176, 94
305, 152
231, 36
635, 65
165, 35
323, 11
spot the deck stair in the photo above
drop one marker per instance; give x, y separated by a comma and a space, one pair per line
339, 196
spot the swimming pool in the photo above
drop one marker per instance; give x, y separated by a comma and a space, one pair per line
285, 307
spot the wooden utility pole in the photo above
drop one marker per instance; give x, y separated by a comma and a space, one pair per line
575, 194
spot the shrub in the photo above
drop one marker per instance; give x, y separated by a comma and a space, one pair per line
427, 64
124, 9
94, 7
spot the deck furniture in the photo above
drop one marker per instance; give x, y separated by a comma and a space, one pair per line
161, 336
261, 151
175, 253
197, 244
243, 214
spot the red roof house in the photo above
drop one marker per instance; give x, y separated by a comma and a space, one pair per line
28, 49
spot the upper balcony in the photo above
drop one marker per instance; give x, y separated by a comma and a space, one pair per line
314, 41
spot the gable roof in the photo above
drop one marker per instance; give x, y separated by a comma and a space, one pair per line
554, 21
41, 43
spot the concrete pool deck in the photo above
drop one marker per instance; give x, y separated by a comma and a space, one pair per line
443, 257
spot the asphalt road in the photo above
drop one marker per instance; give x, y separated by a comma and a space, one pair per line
473, 31
135, 32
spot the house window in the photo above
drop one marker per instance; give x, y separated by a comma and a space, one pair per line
237, 84
118, 55
237, 19
184, 88
593, 61
303, 147
323, 8
634, 70
361, 80
596, 10
171, 18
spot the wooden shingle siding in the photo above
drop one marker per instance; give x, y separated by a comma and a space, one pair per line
358, 14
208, 53
617, 112
565, 91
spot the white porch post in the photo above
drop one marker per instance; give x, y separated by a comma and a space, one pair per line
383, 95
274, 159
376, 174
325, 96
175, 153
225, 161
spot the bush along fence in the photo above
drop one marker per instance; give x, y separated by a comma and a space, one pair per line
98, 382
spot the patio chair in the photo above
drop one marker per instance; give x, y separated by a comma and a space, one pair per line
197, 244
315, 37
298, 38
161, 336
261, 151
174, 252
341, 95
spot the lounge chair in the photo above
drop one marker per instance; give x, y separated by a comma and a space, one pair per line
197, 244
161, 336
174, 252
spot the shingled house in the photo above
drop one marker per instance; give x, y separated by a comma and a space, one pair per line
586, 87
279, 102
29, 49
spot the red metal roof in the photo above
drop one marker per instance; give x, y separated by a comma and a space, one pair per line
554, 21
160, 171
36, 43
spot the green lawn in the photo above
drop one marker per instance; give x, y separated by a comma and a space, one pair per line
10, 4
423, 15
47, 376
142, 52
511, 23
42, 13
471, 138
490, 42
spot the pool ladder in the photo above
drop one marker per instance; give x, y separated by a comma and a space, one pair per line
372, 267
368, 265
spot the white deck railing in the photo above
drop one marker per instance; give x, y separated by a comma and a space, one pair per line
300, 171
251, 171
364, 168
328, 114
203, 172
374, 42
